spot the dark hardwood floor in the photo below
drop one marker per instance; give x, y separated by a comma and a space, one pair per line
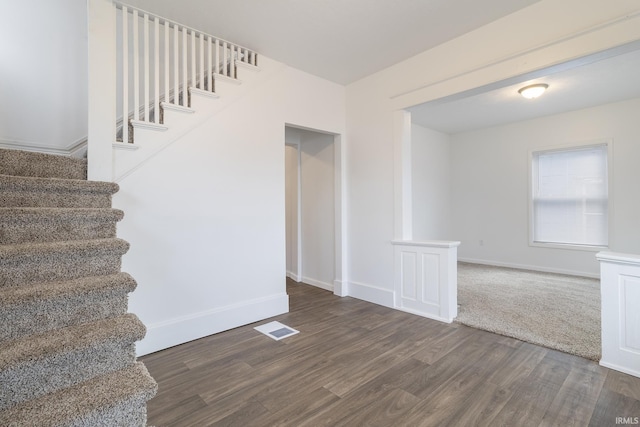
359, 364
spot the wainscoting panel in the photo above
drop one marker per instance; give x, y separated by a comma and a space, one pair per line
426, 278
409, 276
620, 290
431, 278
630, 315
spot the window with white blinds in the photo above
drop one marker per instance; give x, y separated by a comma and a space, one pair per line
570, 202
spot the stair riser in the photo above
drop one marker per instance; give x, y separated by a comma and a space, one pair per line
58, 268
52, 231
33, 379
128, 413
39, 316
14, 198
117, 399
23, 163
131, 413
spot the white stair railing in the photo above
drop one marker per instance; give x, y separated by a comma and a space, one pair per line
159, 60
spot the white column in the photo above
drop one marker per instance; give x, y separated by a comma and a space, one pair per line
620, 291
403, 218
340, 284
101, 23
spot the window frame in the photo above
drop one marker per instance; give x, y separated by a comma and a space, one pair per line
608, 142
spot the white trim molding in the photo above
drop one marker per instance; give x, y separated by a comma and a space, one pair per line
317, 283
76, 149
529, 267
198, 325
293, 276
371, 294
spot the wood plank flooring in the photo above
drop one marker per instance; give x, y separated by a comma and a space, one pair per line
359, 364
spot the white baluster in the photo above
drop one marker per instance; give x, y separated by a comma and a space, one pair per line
136, 67
125, 74
232, 60
201, 61
185, 101
166, 62
193, 58
217, 64
156, 66
176, 64
209, 65
224, 59
146, 75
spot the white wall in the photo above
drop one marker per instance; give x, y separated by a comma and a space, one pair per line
206, 216
317, 203
490, 182
430, 170
572, 29
44, 74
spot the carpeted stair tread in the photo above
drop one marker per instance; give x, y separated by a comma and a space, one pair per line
18, 191
42, 307
25, 163
25, 251
67, 343
125, 328
115, 399
33, 224
9, 182
45, 363
54, 261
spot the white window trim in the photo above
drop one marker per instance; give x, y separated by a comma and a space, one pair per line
576, 145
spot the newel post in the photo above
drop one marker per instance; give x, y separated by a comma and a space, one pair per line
101, 24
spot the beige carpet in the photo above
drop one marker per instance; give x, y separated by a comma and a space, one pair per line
67, 343
553, 310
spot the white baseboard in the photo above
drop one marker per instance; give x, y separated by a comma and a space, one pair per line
340, 288
623, 369
530, 267
76, 149
372, 294
293, 276
427, 315
197, 325
317, 283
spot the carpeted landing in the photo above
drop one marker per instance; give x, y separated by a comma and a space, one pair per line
67, 343
553, 310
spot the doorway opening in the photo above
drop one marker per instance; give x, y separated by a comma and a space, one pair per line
313, 207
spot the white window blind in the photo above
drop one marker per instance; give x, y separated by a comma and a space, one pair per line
570, 196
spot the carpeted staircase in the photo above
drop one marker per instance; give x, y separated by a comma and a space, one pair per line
67, 343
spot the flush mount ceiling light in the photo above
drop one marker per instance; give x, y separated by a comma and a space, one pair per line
533, 91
